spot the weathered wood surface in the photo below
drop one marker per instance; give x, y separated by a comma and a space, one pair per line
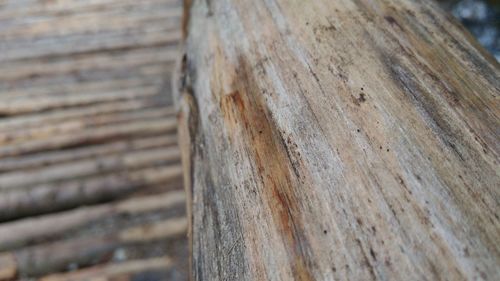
339, 140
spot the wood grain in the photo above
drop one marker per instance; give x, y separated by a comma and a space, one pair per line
339, 140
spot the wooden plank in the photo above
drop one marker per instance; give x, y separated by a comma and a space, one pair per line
69, 79
94, 61
339, 140
19, 135
29, 162
80, 43
36, 104
106, 21
118, 270
90, 87
43, 227
33, 261
88, 167
74, 114
53, 197
90, 136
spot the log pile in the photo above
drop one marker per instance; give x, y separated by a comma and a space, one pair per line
339, 140
90, 173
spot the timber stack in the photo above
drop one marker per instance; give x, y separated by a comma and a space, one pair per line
338, 140
90, 173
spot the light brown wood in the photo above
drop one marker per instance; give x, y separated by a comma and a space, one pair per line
107, 272
89, 168
25, 69
33, 261
75, 80
101, 21
69, 126
339, 140
90, 87
73, 44
22, 232
56, 196
29, 162
71, 114
90, 136
35, 104
24, 9
8, 268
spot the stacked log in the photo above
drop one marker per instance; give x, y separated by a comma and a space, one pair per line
90, 173
123, 271
84, 251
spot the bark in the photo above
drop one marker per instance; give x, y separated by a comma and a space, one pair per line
327, 140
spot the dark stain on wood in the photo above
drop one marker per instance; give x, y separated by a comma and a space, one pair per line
359, 100
244, 110
392, 21
425, 104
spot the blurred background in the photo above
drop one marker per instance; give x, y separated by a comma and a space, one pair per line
90, 176
481, 18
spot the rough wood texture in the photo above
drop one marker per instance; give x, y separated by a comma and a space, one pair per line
347, 140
